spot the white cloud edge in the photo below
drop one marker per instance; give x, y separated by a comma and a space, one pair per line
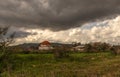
106, 31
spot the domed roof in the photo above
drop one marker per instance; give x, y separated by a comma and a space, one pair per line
45, 43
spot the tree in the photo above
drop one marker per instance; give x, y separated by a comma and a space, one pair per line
5, 41
88, 48
61, 52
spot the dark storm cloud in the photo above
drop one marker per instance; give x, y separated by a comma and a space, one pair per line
18, 32
22, 34
55, 14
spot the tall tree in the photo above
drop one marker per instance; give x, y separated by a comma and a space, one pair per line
5, 41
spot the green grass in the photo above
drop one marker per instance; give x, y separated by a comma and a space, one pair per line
77, 65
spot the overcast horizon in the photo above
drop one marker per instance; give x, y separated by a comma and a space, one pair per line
64, 21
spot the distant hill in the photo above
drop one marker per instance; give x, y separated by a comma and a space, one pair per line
35, 45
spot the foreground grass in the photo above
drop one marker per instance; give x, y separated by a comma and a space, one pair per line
77, 65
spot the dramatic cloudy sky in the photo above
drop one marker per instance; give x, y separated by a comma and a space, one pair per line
62, 20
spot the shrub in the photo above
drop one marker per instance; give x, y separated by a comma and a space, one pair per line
60, 52
6, 61
115, 50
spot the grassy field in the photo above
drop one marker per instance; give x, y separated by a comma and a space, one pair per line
77, 65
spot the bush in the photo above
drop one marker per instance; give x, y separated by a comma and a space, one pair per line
60, 53
97, 47
6, 61
115, 51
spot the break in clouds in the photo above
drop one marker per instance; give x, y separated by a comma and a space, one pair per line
55, 14
105, 31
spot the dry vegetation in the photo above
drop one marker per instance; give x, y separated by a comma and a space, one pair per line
76, 65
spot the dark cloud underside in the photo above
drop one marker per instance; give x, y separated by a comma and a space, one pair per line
55, 14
